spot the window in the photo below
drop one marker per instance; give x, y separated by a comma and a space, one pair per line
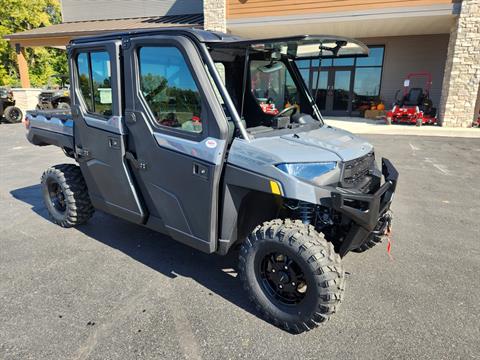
84, 79
169, 88
272, 86
367, 81
368, 77
94, 78
375, 58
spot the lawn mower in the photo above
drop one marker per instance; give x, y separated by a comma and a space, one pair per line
415, 105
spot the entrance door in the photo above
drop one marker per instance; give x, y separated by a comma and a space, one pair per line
334, 90
99, 134
177, 137
340, 85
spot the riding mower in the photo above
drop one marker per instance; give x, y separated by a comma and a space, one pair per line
415, 105
8, 111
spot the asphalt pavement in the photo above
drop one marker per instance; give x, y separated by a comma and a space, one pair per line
113, 290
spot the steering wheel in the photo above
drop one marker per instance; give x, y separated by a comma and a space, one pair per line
292, 108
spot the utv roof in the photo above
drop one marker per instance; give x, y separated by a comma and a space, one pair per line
300, 46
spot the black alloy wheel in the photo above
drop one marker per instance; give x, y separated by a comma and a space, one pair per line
283, 279
292, 274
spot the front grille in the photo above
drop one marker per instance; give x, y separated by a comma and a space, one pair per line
354, 171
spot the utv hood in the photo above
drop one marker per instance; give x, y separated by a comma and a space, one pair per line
340, 142
321, 145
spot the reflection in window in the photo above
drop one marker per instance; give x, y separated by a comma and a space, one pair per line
169, 88
375, 58
83, 69
94, 74
101, 81
367, 81
344, 62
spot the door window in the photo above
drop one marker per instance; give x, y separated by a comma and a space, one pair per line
94, 79
169, 88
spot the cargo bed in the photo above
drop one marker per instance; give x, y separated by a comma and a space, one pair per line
50, 127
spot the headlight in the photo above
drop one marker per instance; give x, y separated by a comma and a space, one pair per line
307, 171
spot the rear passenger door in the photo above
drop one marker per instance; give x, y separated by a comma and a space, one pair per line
99, 133
177, 134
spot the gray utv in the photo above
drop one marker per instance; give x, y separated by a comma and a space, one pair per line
216, 141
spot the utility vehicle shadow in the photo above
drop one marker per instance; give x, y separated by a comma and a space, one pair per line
159, 252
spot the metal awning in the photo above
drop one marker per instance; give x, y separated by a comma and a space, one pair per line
61, 34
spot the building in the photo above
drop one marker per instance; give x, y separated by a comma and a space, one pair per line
441, 37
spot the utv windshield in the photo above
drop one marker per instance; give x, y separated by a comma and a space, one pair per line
265, 85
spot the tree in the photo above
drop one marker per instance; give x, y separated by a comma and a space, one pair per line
22, 15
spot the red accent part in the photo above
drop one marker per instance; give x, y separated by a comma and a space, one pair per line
26, 123
389, 243
269, 108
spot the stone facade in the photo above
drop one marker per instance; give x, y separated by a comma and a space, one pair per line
215, 15
462, 69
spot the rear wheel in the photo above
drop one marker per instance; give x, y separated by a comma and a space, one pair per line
66, 196
292, 274
13, 114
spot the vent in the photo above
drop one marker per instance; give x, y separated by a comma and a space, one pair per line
354, 171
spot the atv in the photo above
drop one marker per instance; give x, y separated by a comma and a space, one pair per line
55, 96
415, 105
8, 111
216, 141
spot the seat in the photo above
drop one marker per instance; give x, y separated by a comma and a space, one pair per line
414, 97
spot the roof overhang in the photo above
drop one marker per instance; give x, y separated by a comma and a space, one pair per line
60, 35
401, 21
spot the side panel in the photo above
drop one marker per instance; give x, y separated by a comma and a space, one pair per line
100, 144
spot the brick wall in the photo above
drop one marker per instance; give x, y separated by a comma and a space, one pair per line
215, 15
462, 69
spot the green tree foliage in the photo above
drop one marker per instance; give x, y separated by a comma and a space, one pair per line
22, 15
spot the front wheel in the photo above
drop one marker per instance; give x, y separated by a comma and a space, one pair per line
292, 274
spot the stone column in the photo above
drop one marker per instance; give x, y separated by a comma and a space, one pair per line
462, 69
215, 15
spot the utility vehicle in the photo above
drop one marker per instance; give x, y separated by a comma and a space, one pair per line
415, 105
8, 111
175, 130
55, 96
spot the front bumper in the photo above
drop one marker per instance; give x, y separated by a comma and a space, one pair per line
365, 210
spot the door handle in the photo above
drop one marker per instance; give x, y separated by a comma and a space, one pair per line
114, 143
200, 170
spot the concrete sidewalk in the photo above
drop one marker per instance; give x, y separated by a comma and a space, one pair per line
367, 126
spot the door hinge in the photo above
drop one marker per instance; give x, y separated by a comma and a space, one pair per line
81, 152
137, 164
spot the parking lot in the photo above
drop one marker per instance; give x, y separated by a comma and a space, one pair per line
113, 290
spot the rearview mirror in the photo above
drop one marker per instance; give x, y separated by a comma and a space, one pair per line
270, 68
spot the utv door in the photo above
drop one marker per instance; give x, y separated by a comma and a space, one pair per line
176, 136
99, 133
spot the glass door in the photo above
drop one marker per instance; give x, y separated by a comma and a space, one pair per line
341, 93
321, 94
334, 90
